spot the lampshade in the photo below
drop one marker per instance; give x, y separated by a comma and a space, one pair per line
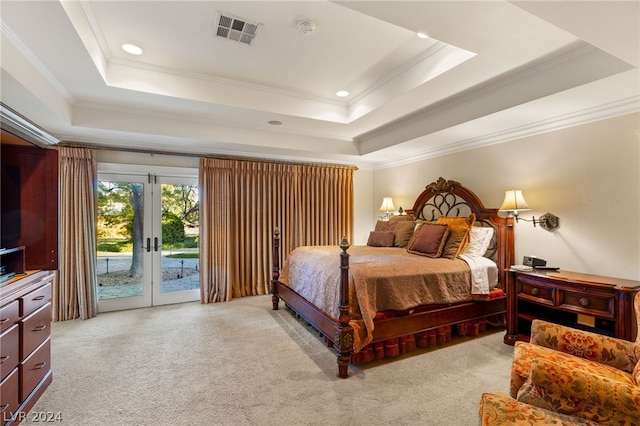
387, 205
513, 201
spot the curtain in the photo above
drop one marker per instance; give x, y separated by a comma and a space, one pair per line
243, 201
74, 295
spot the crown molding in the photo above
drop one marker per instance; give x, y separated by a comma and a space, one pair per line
15, 123
613, 109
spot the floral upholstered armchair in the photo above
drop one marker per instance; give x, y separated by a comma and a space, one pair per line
498, 409
578, 373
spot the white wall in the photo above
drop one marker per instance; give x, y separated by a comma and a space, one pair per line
364, 221
588, 176
107, 156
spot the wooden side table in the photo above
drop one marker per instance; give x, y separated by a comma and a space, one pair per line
590, 302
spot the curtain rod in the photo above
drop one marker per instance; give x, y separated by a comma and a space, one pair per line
188, 154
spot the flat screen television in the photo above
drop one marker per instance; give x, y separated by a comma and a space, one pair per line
11, 224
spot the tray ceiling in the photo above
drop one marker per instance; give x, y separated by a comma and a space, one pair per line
489, 72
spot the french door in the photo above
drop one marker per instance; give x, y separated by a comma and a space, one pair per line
147, 242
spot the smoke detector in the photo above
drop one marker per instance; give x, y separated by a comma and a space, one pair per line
234, 28
306, 27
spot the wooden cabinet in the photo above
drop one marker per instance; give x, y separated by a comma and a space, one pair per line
590, 302
25, 342
11, 262
28, 260
29, 201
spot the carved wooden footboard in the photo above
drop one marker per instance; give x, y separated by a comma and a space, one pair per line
338, 332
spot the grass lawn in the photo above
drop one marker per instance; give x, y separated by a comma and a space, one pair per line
185, 255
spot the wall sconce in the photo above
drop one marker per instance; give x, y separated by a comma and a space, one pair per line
514, 203
387, 207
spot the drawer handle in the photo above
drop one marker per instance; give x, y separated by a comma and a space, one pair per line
38, 298
4, 320
39, 328
4, 358
535, 291
39, 366
584, 302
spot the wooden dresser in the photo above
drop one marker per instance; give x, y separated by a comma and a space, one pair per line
590, 302
29, 227
25, 350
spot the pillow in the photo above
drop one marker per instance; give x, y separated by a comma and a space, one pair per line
401, 217
479, 240
385, 225
429, 240
459, 228
458, 220
403, 231
381, 239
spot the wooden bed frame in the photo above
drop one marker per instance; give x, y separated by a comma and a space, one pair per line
455, 198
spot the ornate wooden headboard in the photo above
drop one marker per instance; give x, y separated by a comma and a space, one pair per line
450, 198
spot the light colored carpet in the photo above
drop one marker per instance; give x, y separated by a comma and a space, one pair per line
240, 363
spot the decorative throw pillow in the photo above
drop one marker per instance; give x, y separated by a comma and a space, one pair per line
385, 225
402, 217
459, 228
479, 240
428, 240
381, 238
458, 220
403, 231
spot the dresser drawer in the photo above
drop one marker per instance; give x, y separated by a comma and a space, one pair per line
32, 301
9, 394
9, 314
34, 368
601, 305
9, 350
535, 292
34, 329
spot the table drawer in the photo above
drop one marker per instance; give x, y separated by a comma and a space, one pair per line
9, 315
593, 304
536, 292
35, 329
34, 368
9, 393
9, 350
32, 301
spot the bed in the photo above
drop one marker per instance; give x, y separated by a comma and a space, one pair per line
375, 301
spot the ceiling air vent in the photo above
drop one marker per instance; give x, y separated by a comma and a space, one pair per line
237, 29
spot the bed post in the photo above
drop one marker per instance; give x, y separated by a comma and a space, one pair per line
344, 334
275, 274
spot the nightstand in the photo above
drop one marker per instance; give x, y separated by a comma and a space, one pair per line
590, 302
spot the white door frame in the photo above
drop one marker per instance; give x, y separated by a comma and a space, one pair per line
152, 177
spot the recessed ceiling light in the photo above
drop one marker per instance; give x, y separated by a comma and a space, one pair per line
422, 35
274, 122
342, 93
131, 48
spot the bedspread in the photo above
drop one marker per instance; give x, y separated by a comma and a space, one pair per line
380, 278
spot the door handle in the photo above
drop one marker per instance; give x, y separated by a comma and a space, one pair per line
148, 247
155, 244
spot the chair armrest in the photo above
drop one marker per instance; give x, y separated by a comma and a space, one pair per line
585, 386
497, 408
617, 353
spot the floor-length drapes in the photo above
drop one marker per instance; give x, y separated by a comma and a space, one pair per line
74, 295
243, 201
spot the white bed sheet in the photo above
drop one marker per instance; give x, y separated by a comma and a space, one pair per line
484, 273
